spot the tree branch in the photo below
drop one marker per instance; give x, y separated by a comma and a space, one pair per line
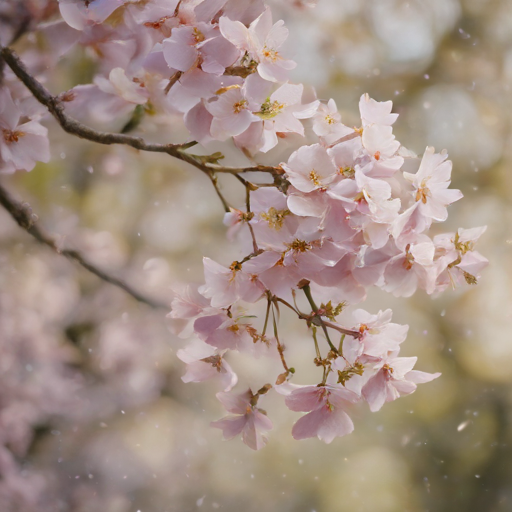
22, 214
55, 106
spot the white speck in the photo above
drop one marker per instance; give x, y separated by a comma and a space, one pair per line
252, 476
199, 502
477, 476
301, 461
90, 169
122, 412
91, 476
426, 105
443, 313
425, 332
426, 77
464, 34
63, 155
215, 505
138, 234
462, 426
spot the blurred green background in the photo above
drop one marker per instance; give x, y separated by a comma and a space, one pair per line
115, 428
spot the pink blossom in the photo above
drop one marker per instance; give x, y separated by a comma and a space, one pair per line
205, 362
412, 267
231, 115
77, 13
200, 45
394, 377
326, 406
131, 90
375, 112
382, 147
310, 168
378, 335
226, 285
431, 193
247, 420
21, 145
457, 261
327, 123
261, 41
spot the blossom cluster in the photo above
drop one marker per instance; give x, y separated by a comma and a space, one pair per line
349, 212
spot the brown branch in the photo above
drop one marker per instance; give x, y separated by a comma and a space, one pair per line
22, 214
248, 188
315, 319
55, 106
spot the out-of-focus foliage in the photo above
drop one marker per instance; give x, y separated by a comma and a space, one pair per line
104, 422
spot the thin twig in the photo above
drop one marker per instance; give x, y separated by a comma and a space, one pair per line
307, 291
22, 214
248, 188
318, 321
213, 179
280, 347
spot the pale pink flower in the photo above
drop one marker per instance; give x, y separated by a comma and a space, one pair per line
378, 335
240, 281
411, 268
231, 115
279, 111
310, 168
247, 420
261, 41
326, 406
201, 45
226, 285
431, 192
375, 112
382, 147
21, 145
327, 123
457, 261
131, 90
78, 13
394, 377
204, 362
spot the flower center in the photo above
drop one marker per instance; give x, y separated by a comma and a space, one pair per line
423, 192
409, 258
239, 106
275, 218
313, 176
12, 136
270, 109
270, 54
299, 246
329, 119
198, 35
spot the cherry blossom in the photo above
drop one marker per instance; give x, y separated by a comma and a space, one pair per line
246, 419
394, 377
326, 418
261, 42
330, 213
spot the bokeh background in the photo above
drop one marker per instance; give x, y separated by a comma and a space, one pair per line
93, 413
